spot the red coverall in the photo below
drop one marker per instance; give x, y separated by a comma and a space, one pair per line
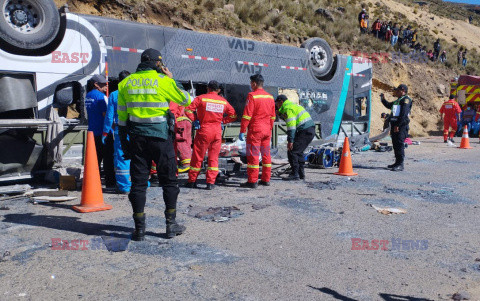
451, 109
258, 117
183, 133
210, 109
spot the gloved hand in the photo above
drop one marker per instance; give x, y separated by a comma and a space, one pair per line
196, 124
104, 138
241, 137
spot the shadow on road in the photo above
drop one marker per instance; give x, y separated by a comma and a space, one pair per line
68, 223
390, 297
333, 293
370, 167
386, 297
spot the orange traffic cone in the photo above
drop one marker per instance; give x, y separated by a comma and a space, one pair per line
465, 140
345, 168
92, 196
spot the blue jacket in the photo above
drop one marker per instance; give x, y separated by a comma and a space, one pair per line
96, 105
111, 118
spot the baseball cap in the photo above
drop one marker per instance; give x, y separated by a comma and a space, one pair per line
150, 55
213, 84
98, 78
257, 78
402, 87
281, 97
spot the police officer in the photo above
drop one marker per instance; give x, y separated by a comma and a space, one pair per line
399, 123
143, 115
300, 132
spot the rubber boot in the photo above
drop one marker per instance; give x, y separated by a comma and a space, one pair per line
399, 167
173, 228
392, 165
301, 172
292, 177
139, 233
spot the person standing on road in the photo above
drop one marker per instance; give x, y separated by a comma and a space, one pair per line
96, 107
258, 117
122, 166
183, 135
300, 132
450, 111
399, 123
211, 109
144, 116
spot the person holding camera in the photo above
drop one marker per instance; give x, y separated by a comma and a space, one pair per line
399, 122
144, 115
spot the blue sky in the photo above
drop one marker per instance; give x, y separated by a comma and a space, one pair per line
466, 1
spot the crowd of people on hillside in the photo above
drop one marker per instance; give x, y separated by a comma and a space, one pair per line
405, 35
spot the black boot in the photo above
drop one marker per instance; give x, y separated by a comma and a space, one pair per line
392, 165
398, 167
292, 177
173, 229
139, 233
301, 172
249, 185
191, 185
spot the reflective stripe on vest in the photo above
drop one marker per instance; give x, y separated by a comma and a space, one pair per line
147, 105
157, 119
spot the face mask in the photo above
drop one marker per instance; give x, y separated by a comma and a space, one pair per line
468, 108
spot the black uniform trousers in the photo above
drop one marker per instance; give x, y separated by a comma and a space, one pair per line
296, 157
144, 150
105, 155
398, 142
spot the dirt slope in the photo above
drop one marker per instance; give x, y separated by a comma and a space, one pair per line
466, 34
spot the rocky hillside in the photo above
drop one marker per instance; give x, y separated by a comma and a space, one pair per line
292, 22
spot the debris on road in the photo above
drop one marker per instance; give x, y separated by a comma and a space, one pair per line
217, 214
388, 210
259, 207
15, 189
54, 198
50, 193
462, 295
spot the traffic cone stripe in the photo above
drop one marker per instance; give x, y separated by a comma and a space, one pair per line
92, 196
345, 168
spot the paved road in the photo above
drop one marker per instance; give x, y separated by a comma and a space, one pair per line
289, 241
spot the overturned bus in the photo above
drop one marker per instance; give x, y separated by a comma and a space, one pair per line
48, 55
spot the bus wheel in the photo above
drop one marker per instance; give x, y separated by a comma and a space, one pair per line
28, 24
320, 56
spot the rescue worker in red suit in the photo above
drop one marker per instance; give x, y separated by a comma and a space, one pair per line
450, 111
211, 109
183, 135
258, 117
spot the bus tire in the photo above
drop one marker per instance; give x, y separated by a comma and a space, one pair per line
320, 57
28, 24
